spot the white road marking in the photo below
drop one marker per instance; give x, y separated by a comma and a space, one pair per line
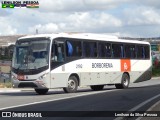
9, 91
139, 106
145, 102
51, 100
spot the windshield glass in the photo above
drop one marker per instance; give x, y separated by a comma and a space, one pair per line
31, 54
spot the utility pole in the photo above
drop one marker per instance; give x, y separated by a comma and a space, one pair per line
36, 31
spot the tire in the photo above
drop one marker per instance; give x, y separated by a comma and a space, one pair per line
97, 87
124, 82
72, 85
41, 91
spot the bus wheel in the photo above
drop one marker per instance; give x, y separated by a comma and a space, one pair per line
41, 91
124, 82
72, 85
97, 87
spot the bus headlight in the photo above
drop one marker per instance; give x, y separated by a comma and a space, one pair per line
42, 77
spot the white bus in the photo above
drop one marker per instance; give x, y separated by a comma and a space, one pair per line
70, 61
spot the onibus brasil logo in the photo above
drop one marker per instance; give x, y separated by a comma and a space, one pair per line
20, 4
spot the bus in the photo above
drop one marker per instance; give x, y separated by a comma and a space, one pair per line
70, 60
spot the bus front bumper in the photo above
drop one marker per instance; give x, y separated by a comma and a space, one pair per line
28, 84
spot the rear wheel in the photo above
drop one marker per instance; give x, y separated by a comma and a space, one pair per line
72, 85
124, 82
97, 87
41, 91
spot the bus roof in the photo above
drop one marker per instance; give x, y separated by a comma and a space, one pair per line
88, 36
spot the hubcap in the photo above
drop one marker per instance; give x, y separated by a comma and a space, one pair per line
71, 84
125, 82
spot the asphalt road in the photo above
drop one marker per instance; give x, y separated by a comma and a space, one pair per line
98, 105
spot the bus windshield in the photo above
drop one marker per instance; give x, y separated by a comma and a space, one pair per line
31, 54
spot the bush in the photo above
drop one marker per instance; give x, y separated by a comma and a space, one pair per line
156, 72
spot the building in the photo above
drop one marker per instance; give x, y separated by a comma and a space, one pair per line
7, 45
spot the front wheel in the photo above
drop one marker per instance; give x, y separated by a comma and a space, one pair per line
72, 85
124, 82
41, 91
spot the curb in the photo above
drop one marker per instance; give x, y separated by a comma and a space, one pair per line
155, 78
152, 108
11, 90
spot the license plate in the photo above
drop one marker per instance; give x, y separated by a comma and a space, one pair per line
20, 77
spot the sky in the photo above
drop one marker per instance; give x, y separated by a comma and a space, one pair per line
125, 18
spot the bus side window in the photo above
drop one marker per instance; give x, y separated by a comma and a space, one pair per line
140, 52
116, 51
104, 49
132, 49
69, 49
122, 51
73, 48
108, 50
143, 53
83, 49
53, 52
147, 52
60, 57
93, 49
57, 53
86, 49
99, 50
127, 51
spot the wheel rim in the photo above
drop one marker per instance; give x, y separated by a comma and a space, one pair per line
71, 84
125, 81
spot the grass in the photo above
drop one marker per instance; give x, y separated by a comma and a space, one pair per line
6, 85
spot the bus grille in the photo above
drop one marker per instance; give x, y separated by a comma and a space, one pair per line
28, 84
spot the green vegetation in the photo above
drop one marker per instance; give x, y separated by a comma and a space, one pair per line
5, 57
156, 72
6, 85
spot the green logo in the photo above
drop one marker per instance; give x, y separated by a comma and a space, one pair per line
4, 5
7, 5
11, 6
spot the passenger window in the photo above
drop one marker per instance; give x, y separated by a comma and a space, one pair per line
143, 52
104, 49
57, 53
89, 49
140, 52
73, 48
130, 51
133, 51
117, 51
147, 52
